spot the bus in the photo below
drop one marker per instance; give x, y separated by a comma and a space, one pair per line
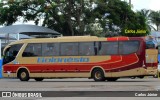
90, 57
158, 47
158, 69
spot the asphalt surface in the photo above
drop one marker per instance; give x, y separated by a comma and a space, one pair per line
83, 84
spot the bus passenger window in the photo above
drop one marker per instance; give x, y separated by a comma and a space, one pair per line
86, 49
69, 49
108, 48
128, 47
33, 49
50, 49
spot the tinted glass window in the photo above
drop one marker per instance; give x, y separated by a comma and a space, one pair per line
50, 49
33, 49
86, 49
108, 48
69, 49
128, 47
14, 49
11, 53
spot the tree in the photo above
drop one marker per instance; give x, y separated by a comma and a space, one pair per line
155, 18
120, 16
65, 16
147, 15
74, 17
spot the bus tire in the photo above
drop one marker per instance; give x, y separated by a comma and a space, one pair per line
111, 79
98, 75
39, 79
141, 77
23, 75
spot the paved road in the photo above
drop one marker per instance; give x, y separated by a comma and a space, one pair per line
82, 84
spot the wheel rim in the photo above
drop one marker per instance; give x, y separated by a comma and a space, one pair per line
23, 75
98, 75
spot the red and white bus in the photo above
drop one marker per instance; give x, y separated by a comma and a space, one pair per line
79, 57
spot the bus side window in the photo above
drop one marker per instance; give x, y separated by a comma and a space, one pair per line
86, 49
50, 49
69, 49
108, 48
128, 47
32, 50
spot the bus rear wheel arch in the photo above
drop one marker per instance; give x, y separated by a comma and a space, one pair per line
23, 74
98, 74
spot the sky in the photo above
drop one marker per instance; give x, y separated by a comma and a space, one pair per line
147, 4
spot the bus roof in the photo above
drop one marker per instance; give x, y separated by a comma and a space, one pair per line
71, 39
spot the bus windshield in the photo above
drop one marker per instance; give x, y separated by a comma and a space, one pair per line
11, 52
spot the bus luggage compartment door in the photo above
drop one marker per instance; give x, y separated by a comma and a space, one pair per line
151, 60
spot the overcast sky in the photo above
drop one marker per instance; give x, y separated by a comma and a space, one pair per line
147, 4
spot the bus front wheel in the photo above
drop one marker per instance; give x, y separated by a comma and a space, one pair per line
23, 75
98, 75
39, 79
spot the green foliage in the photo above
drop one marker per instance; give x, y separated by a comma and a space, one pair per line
76, 17
9, 13
155, 18
121, 16
147, 14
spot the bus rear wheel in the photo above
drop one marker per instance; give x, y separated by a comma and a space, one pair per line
23, 75
98, 75
39, 79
